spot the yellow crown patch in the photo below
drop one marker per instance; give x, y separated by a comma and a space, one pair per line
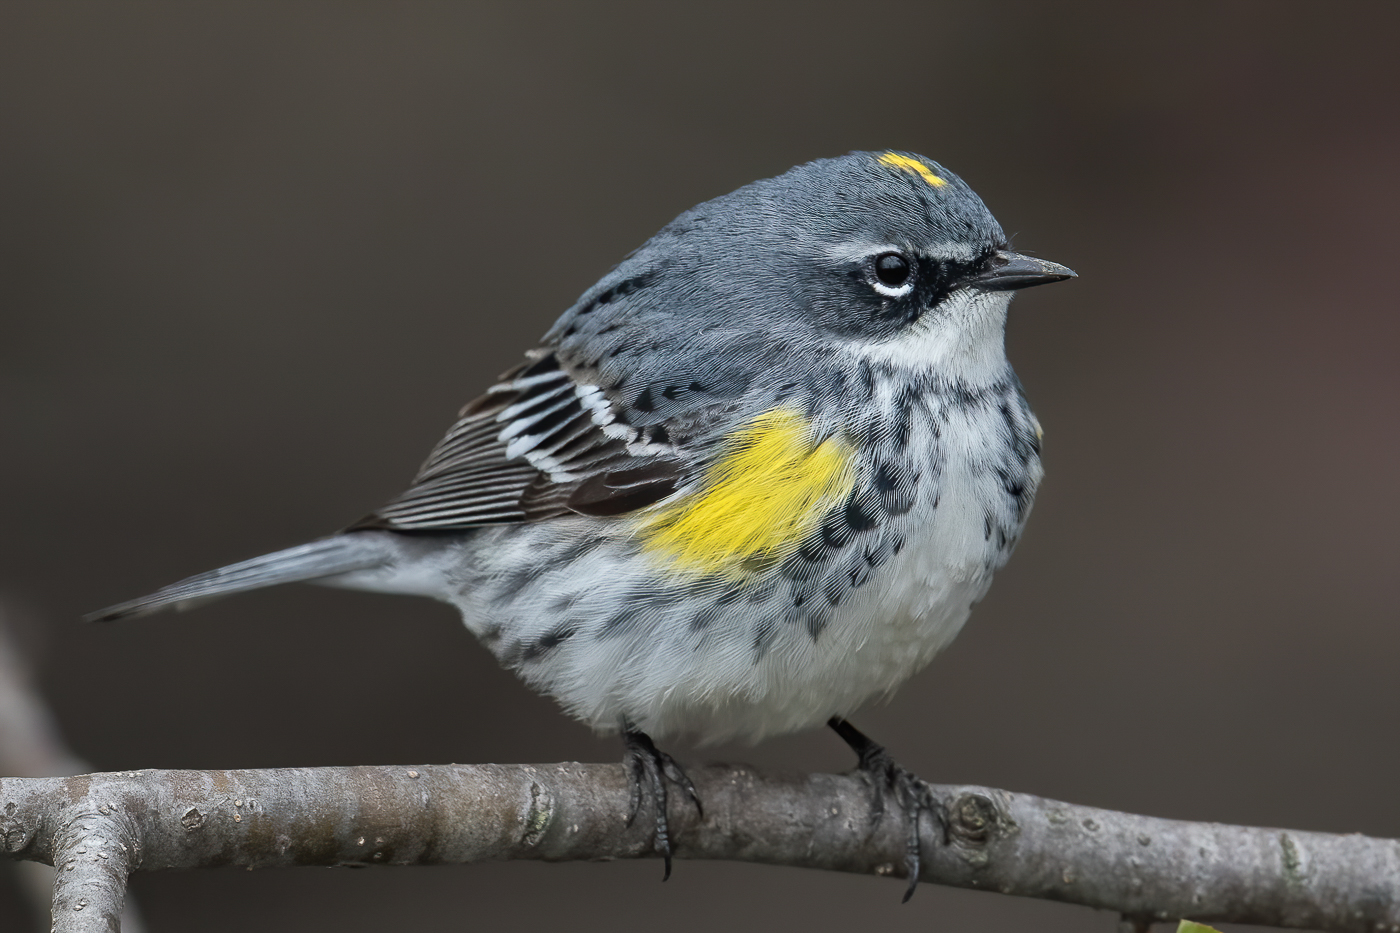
912, 166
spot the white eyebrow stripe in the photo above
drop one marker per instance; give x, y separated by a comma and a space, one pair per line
856, 251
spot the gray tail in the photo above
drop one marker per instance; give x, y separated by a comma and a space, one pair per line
324, 558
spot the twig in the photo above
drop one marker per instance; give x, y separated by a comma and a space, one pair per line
31, 744
95, 828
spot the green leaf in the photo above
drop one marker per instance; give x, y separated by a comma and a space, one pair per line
1190, 926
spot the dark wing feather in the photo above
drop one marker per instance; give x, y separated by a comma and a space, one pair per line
614, 492
536, 445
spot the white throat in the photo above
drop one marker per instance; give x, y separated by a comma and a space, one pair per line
963, 338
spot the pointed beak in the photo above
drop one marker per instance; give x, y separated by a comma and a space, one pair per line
1006, 271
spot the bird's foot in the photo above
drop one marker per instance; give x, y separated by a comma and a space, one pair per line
890, 781
648, 771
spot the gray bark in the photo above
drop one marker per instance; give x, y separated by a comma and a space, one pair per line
31, 744
96, 828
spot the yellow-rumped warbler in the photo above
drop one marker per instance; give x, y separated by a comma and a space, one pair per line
756, 477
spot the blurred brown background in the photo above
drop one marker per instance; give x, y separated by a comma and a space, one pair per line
255, 255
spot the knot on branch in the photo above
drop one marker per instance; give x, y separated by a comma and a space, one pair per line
14, 836
975, 819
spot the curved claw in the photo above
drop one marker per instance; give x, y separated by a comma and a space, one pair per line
888, 777
649, 767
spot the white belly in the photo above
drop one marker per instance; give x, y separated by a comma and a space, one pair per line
745, 674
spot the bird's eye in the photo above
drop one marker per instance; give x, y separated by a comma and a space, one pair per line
894, 275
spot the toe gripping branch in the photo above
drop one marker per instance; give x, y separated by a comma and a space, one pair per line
889, 780
648, 771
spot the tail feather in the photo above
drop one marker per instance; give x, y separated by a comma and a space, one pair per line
324, 558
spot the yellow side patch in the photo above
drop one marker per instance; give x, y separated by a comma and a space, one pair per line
767, 492
913, 167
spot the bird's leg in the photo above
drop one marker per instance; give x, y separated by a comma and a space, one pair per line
888, 778
648, 770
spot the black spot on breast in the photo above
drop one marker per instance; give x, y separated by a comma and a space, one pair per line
1015, 485
834, 589
565, 556
857, 516
1006, 416
806, 563
962, 395
887, 546
764, 631
808, 618
867, 378
812, 551
902, 422
829, 383
644, 401
895, 486
802, 591
516, 580
537, 648
858, 573
1024, 444
705, 618
835, 533
619, 621
644, 603
730, 595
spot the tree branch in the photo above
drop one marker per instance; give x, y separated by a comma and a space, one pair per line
96, 828
31, 743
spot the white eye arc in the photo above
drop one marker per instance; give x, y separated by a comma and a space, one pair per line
892, 274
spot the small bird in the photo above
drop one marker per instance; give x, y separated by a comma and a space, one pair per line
755, 478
